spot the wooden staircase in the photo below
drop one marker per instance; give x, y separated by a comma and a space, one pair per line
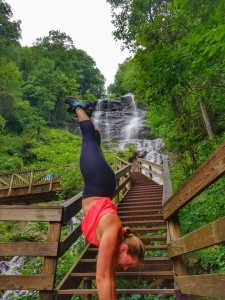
141, 209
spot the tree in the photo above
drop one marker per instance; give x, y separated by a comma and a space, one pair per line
10, 32
46, 88
179, 51
73, 62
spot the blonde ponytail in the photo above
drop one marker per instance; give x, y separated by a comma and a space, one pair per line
135, 245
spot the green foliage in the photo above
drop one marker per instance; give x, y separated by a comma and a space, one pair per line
129, 154
10, 78
11, 33
178, 58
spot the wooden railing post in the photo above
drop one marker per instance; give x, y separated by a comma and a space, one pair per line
87, 285
11, 184
31, 181
173, 229
150, 174
167, 185
178, 262
50, 263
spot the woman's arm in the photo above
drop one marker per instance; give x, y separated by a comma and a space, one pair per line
109, 229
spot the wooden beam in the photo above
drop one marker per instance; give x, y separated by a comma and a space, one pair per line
209, 285
70, 239
119, 291
122, 185
167, 185
26, 282
50, 263
123, 171
71, 207
152, 172
30, 213
29, 249
159, 167
210, 171
208, 235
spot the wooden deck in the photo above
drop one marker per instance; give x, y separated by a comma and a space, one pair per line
28, 186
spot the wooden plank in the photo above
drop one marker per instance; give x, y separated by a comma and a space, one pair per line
71, 207
22, 179
208, 235
30, 213
123, 171
23, 171
209, 285
173, 233
5, 182
152, 172
66, 282
210, 171
49, 264
70, 239
119, 291
155, 274
121, 186
26, 282
167, 184
159, 167
29, 249
123, 161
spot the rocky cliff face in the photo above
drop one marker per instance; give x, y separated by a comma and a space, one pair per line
123, 122
120, 119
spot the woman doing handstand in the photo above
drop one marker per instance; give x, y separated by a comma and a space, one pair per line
101, 225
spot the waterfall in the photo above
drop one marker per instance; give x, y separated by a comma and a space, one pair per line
13, 267
122, 122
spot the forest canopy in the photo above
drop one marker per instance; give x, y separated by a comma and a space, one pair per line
176, 68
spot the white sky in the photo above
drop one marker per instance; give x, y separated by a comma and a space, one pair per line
87, 22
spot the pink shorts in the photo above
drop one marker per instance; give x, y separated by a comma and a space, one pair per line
90, 222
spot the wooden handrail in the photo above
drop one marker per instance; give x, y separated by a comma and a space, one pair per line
210, 171
211, 285
141, 166
26, 182
149, 163
167, 184
47, 249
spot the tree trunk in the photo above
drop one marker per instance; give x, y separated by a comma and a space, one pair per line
206, 118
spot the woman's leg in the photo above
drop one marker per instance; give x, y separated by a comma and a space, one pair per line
99, 178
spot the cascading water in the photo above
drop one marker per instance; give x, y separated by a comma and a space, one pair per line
12, 267
123, 123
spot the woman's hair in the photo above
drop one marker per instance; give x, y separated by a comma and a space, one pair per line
135, 245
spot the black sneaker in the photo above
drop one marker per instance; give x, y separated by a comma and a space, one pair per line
74, 103
89, 109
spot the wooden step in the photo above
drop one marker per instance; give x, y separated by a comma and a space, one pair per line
148, 264
119, 291
129, 274
139, 198
141, 217
137, 206
148, 229
123, 212
149, 238
144, 223
147, 247
160, 259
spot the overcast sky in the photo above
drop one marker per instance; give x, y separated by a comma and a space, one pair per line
87, 22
